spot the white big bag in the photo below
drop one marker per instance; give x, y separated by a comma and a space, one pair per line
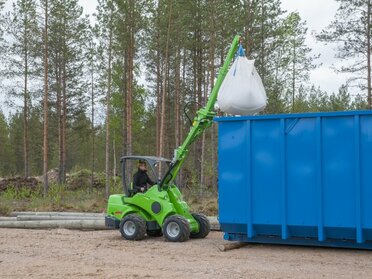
242, 91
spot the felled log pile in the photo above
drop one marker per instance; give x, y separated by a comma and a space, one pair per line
52, 220
67, 220
18, 183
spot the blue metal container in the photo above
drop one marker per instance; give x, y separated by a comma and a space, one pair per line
297, 178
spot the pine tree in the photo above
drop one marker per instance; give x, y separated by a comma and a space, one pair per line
67, 37
2, 23
6, 156
22, 26
45, 7
318, 100
16, 140
92, 72
359, 103
351, 31
2, 46
129, 26
297, 59
263, 29
105, 30
341, 100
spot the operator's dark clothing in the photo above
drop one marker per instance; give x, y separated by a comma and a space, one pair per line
141, 179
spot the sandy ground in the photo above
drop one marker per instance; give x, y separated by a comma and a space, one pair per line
104, 254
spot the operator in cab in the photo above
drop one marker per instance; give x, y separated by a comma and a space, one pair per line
141, 180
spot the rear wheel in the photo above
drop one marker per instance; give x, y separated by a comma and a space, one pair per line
204, 226
176, 229
133, 227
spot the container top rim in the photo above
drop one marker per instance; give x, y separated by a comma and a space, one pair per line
293, 115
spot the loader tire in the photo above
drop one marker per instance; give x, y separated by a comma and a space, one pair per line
133, 227
204, 226
176, 229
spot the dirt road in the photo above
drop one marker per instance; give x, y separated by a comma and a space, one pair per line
104, 254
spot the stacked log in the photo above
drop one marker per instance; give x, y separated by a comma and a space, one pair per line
67, 220
97, 224
51, 220
19, 182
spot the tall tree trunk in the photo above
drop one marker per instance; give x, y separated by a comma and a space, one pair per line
114, 158
203, 143
177, 81
369, 97
92, 126
169, 131
60, 121
130, 59
212, 51
158, 81
124, 106
158, 106
163, 97
199, 92
64, 104
45, 131
262, 45
184, 64
108, 109
25, 101
248, 29
64, 122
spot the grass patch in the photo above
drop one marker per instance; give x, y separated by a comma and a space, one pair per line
78, 195
59, 199
4, 209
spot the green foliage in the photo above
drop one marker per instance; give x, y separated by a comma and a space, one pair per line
22, 193
197, 33
350, 32
6, 158
4, 209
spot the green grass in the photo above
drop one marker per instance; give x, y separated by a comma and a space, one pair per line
58, 199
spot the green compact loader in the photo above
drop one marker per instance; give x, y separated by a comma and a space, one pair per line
161, 210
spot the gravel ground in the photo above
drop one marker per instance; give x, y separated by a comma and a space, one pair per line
104, 254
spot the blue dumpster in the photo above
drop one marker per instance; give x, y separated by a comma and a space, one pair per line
301, 179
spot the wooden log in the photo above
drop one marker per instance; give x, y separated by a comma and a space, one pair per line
8, 218
52, 213
215, 225
53, 224
67, 216
230, 246
56, 217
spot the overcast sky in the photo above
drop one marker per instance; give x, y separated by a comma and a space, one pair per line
318, 14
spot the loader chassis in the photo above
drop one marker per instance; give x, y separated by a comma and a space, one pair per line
161, 210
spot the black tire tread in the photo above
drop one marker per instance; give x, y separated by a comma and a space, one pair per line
184, 227
204, 226
140, 223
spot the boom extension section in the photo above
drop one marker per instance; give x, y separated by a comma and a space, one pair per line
202, 121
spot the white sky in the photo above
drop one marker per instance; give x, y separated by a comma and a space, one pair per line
317, 13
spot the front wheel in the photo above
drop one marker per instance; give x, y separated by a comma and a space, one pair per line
133, 227
176, 229
204, 226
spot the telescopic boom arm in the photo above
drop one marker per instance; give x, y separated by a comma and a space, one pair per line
202, 120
